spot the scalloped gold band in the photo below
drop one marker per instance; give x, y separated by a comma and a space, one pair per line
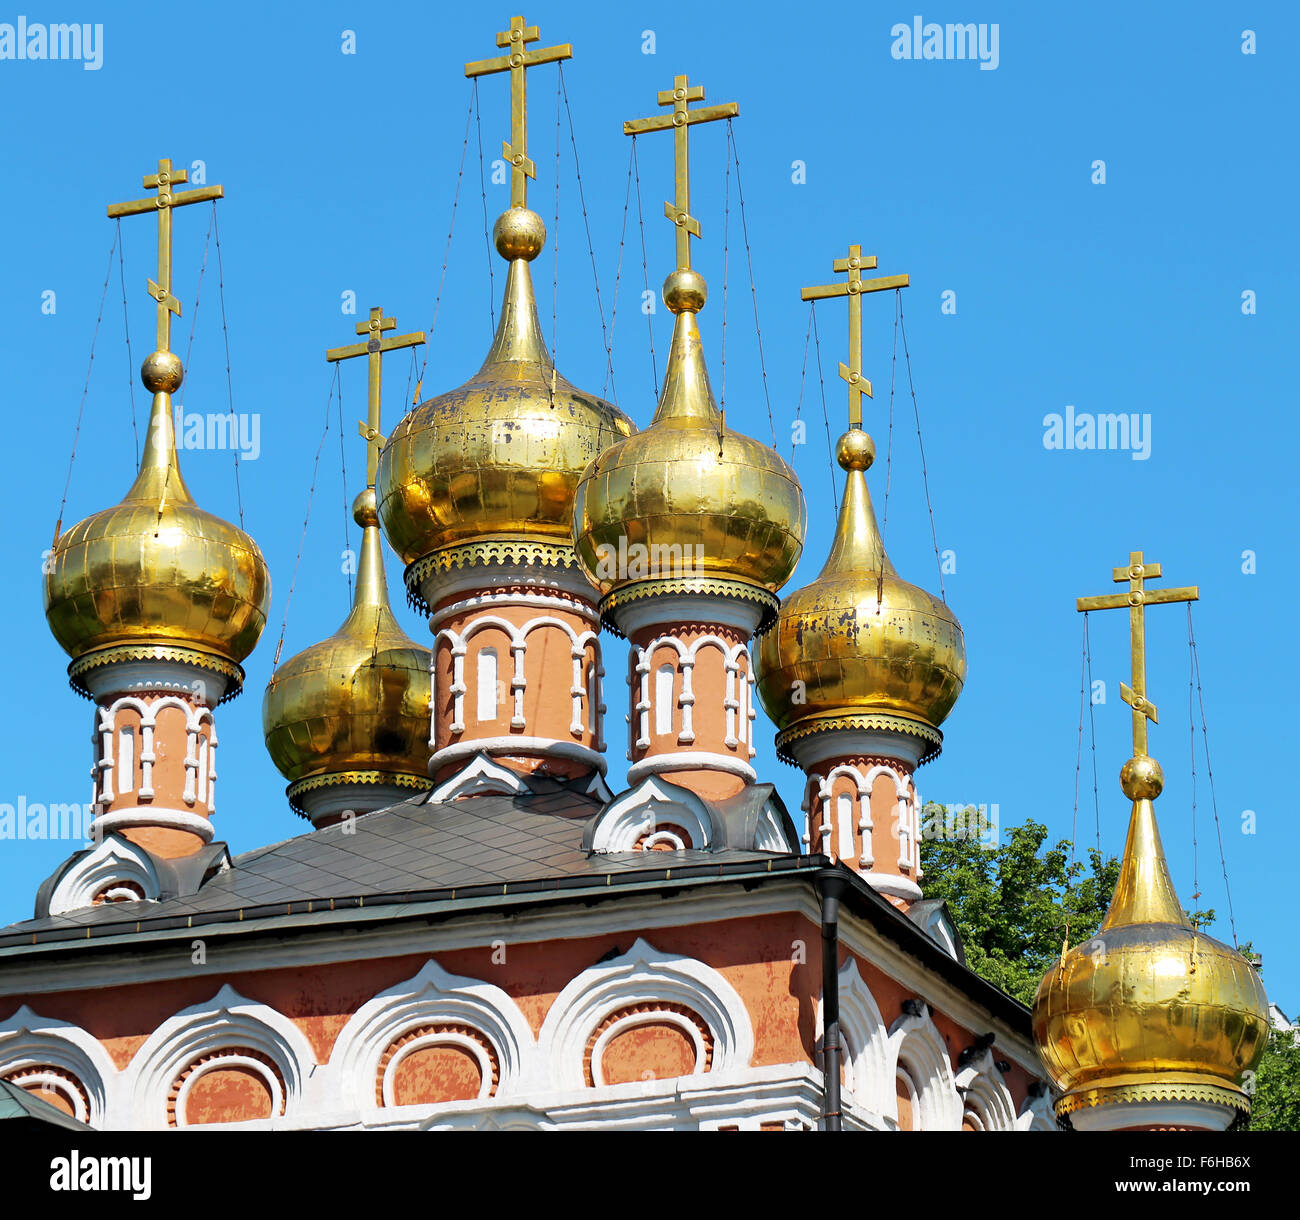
1174, 1087
860, 721
155, 652
399, 779
675, 586
484, 553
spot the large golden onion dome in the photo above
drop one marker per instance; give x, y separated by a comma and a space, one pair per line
488, 471
354, 709
688, 505
155, 576
860, 648
1149, 1009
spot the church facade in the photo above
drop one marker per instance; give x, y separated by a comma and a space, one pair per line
488, 925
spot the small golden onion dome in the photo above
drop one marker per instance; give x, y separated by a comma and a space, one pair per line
688, 505
860, 647
488, 471
355, 708
155, 576
1149, 1009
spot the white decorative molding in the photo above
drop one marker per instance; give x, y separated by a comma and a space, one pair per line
916, 1045
196, 715
867, 1056
226, 1022
460, 750
986, 1100
1038, 1113
431, 997
533, 601
634, 617
506, 579
1198, 1115
114, 859
735, 702
30, 1043
643, 809
646, 976
579, 692
597, 788
690, 760
146, 815
481, 776
770, 831
897, 887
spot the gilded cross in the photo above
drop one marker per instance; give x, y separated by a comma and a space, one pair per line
517, 62
167, 198
680, 97
1137, 599
374, 347
855, 263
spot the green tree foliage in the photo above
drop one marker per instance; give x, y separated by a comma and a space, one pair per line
1275, 1100
1011, 900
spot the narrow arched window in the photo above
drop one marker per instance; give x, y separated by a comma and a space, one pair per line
126, 759
487, 684
664, 676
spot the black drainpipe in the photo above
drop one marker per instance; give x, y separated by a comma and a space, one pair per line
831, 886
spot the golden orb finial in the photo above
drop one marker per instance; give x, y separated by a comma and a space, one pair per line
1141, 778
519, 233
855, 450
685, 290
365, 508
162, 373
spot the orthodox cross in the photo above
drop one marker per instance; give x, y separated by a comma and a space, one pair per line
679, 97
517, 62
1137, 599
374, 347
163, 181
855, 286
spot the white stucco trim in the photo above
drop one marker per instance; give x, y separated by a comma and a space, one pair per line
29, 1042
643, 975
227, 1021
148, 815
689, 760
916, 1045
868, 1059
114, 859
548, 746
643, 808
481, 776
431, 996
984, 1091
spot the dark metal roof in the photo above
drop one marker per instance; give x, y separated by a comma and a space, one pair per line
472, 844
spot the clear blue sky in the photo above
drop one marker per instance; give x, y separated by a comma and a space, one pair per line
1125, 297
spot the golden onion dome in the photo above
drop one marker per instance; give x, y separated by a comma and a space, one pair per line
1149, 1009
688, 505
488, 471
860, 648
356, 708
155, 576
